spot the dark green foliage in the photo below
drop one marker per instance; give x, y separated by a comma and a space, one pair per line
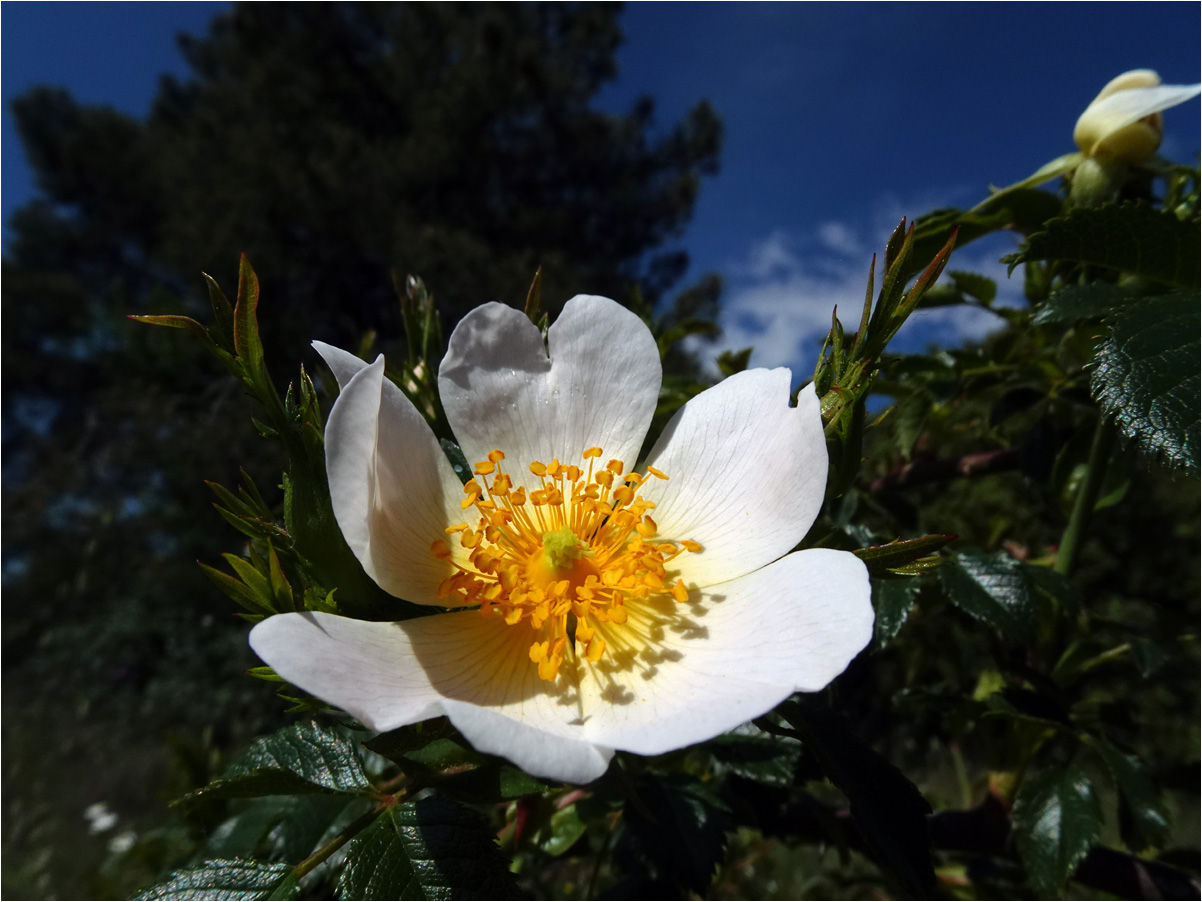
674, 832
305, 757
996, 589
1056, 819
430, 849
1136, 239
228, 880
892, 600
888, 809
1147, 377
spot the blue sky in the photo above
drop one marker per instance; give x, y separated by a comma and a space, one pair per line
839, 120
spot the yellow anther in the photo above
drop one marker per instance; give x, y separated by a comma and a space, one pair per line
548, 669
647, 528
573, 553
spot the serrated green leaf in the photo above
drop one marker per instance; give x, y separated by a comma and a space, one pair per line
302, 758
429, 849
994, 589
892, 600
887, 808
1147, 377
1056, 819
767, 759
1073, 303
1142, 815
1130, 238
228, 879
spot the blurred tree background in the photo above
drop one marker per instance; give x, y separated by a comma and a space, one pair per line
334, 145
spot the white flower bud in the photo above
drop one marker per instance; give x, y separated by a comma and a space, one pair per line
1123, 123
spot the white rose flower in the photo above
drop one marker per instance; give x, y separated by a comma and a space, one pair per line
593, 608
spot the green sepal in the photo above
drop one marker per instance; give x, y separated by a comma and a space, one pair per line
883, 559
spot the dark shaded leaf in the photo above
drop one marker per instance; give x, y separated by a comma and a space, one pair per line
1147, 377
429, 849
674, 836
1077, 302
763, 758
1142, 816
228, 879
1056, 819
995, 589
888, 809
892, 600
1132, 238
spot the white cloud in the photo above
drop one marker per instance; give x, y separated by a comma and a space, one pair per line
781, 291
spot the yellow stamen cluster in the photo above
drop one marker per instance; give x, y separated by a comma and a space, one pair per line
564, 559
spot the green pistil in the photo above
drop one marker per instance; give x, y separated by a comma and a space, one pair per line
561, 549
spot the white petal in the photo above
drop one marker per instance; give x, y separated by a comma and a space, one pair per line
344, 364
1109, 113
598, 388
747, 474
733, 653
475, 671
393, 489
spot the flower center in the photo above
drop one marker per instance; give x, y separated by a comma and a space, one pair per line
564, 559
